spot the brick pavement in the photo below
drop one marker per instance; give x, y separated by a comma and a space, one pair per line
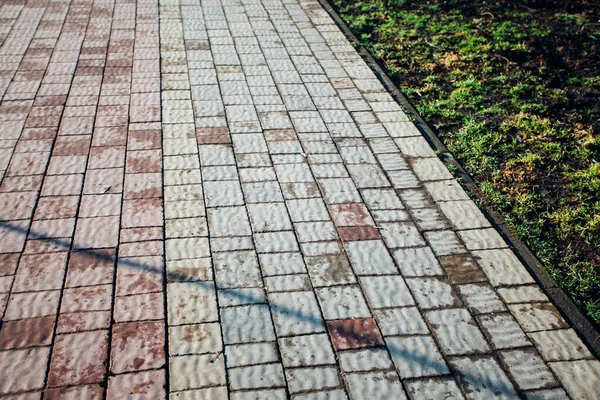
218, 199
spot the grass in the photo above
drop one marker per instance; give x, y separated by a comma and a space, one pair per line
512, 89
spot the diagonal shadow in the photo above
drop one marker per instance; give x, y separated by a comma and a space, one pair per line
430, 363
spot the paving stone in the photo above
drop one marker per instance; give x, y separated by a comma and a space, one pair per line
223, 193
296, 313
502, 267
370, 257
418, 261
522, 294
416, 356
195, 339
275, 242
559, 345
329, 270
339, 302
282, 263
432, 293
354, 333
228, 221
237, 269
456, 331
246, 324
251, 354
315, 231
538, 316
145, 383
339, 190
482, 378
572, 373
482, 239
137, 346
528, 369
462, 268
387, 291
378, 384
183, 299
196, 371
307, 210
306, 350
303, 379
401, 321
28, 364
481, 299
365, 360
256, 376
401, 235
503, 331
444, 243
434, 388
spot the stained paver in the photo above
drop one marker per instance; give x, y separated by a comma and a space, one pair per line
219, 199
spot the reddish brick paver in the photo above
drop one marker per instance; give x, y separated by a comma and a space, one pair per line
218, 199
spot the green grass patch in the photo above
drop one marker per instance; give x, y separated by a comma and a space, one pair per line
512, 89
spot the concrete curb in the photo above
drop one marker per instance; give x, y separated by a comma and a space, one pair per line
587, 330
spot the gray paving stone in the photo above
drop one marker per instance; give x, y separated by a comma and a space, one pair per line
384, 385
315, 231
237, 269
296, 313
276, 242
304, 379
398, 234
528, 369
256, 376
293, 173
483, 378
287, 283
457, 332
481, 299
228, 221
370, 257
245, 324
381, 199
238, 355
341, 302
365, 360
195, 339
386, 291
304, 210
418, 261
339, 190
328, 270
262, 192
572, 373
503, 331
416, 356
241, 297
223, 244
196, 371
266, 217
432, 293
559, 345
401, 321
434, 388
306, 350
282, 263
482, 239
464, 214
522, 294
184, 298
264, 394
538, 316
444, 242
502, 267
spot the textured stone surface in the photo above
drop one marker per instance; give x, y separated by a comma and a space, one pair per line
225, 190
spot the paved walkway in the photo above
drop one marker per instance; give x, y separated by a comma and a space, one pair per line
219, 199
